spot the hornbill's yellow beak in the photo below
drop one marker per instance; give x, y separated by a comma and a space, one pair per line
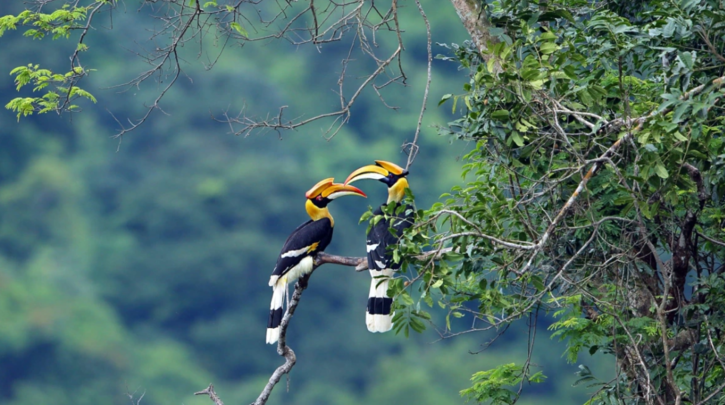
379, 171
327, 189
339, 190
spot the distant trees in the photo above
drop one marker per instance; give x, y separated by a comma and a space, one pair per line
594, 193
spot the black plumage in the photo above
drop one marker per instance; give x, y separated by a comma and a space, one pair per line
303, 237
381, 239
296, 260
305, 241
381, 236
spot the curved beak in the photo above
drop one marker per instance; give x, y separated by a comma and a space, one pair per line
341, 190
319, 187
372, 172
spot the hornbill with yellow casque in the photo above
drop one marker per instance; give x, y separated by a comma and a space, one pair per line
296, 259
384, 234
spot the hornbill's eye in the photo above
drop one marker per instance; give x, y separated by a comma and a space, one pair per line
318, 198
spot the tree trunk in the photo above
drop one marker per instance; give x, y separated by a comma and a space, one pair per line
475, 22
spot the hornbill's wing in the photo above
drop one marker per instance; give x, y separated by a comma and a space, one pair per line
308, 239
381, 237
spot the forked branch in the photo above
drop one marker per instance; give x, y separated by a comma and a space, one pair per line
282, 348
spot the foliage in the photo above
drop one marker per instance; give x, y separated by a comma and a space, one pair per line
488, 384
58, 24
51, 100
594, 193
144, 271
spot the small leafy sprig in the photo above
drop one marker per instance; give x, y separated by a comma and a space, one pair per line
41, 79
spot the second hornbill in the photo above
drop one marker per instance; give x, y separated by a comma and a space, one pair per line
296, 259
384, 234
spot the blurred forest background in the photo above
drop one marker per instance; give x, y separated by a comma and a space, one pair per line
144, 270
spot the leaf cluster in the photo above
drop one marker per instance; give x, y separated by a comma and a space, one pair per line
63, 90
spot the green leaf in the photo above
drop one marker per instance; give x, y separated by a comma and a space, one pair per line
537, 282
686, 59
548, 48
680, 137
365, 216
417, 325
661, 171
554, 14
444, 98
238, 27
518, 140
406, 299
547, 35
501, 115
452, 256
681, 110
669, 29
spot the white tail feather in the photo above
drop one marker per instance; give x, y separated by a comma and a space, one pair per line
379, 323
370, 321
272, 335
279, 286
383, 323
278, 294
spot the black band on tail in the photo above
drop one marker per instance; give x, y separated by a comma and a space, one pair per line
379, 306
275, 318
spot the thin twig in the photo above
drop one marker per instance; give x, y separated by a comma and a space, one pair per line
212, 394
711, 240
413, 152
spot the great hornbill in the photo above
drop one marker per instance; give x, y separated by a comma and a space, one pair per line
382, 235
297, 256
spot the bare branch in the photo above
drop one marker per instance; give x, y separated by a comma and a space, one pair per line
509, 244
711, 240
413, 152
166, 54
179, 23
705, 37
322, 258
712, 394
76, 68
248, 125
282, 348
212, 395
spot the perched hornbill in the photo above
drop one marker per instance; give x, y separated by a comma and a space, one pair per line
383, 234
297, 256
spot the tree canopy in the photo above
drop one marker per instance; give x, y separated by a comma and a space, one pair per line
594, 193
590, 206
